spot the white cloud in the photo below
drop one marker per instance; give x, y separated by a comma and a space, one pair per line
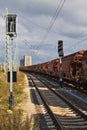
34, 18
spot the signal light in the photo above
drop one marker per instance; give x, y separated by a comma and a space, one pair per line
11, 25
60, 48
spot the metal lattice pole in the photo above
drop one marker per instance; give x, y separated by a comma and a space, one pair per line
7, 52
11, 97
10, 33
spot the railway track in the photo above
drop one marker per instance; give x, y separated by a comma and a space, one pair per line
64, 114
76, 85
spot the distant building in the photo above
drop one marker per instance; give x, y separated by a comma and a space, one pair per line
26, 61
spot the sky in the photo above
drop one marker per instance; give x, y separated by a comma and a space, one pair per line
41, 24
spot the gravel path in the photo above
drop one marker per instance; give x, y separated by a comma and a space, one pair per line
29, 107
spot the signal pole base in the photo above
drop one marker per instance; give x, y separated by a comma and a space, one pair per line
11, 101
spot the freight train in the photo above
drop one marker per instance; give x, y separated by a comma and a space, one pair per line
71, 68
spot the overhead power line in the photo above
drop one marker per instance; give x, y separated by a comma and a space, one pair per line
59, 7
57, 12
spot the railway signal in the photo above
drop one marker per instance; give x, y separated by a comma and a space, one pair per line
11, 25
11, 32
61, 54
60, 48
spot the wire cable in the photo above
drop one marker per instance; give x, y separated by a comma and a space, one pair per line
59, 7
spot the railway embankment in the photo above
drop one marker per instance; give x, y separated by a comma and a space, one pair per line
23, 115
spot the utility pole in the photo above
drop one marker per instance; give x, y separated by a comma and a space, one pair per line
11, 32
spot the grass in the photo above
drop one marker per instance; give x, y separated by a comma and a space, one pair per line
17, 89
15, 120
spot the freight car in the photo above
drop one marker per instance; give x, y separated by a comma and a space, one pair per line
73, 68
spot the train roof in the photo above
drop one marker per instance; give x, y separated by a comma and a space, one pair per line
78, 54
67, 57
